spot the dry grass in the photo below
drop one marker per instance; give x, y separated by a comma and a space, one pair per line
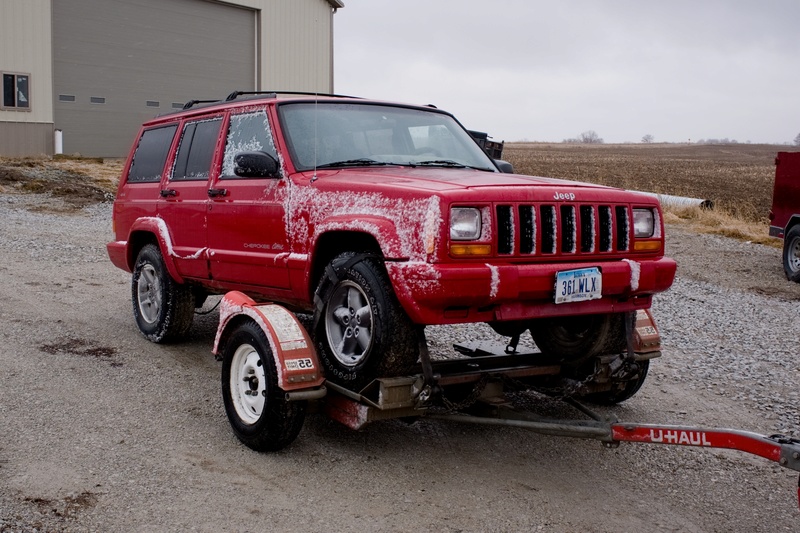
77, 181
737, 178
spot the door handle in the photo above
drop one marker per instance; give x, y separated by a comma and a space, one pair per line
213, 193
168, 192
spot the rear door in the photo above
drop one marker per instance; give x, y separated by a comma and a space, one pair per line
247, 235
184, 197
139, 197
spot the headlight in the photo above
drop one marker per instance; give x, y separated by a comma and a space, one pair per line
465, 223
644, 223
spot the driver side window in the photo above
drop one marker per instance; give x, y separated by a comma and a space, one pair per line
247, 132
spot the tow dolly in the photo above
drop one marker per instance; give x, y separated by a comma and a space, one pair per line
270, 375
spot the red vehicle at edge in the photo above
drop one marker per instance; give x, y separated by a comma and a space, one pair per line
379, 218
784, 217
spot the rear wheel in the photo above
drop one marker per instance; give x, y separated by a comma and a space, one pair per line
257, 409
577, 338
791, 254
163, 309
360, 329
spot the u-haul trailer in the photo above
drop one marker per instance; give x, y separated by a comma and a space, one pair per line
271, 374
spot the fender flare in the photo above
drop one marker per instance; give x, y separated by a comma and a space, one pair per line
292, 349
158, 228
380, 228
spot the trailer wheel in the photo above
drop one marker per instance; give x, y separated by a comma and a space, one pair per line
791, 254
257, 408
577, 338
162, 308
621, 391
360, 329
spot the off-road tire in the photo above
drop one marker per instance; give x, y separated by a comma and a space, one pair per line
257, 409
163, 309
791, 254
361, 331
621, 391
578, 338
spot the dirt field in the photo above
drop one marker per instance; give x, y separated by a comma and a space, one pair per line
101, 430
737, 177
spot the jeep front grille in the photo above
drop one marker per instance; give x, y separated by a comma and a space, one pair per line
563, 229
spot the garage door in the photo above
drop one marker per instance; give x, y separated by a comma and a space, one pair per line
120, 62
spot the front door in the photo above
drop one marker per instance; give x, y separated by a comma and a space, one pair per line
247, 235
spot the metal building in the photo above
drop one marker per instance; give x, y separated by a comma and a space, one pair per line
89, 72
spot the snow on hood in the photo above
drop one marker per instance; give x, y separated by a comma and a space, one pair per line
442, 179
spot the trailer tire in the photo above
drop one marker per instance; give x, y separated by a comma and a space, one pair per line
258, 411
621, 391
578, 338
360, 329
791, 254
163, 309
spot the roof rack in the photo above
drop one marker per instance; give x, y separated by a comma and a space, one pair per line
191, 103
272, 94
269, 94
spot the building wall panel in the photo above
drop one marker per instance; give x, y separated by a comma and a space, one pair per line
26, 138
297, 43
26, 47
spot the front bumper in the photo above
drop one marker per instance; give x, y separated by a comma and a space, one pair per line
460, 293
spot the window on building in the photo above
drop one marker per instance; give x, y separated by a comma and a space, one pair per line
97, 100
153, 103
196, 150
66, 97
16, 91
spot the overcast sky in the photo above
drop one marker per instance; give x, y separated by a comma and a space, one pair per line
549, 70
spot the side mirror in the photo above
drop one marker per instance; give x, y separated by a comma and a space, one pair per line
255, 165
504, 166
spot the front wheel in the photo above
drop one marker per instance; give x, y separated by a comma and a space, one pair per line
360, 329
163, 309
257, 409
791, 254
577, 338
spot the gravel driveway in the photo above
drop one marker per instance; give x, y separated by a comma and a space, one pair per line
100, 430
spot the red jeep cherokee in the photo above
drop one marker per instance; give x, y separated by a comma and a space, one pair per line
379, 218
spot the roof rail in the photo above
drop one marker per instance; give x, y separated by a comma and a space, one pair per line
191, 103
272, 94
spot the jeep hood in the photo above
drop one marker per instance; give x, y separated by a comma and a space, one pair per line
435, 179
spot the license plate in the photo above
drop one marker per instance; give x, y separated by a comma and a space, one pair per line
579, 285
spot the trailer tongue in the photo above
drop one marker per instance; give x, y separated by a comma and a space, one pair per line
270, 374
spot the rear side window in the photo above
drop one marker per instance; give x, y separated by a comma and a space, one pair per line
151, 154
196, 150
248, 132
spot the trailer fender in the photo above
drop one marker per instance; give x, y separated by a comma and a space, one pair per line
295, 358
646, 338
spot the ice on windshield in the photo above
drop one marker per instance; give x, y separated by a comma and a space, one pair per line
248, 132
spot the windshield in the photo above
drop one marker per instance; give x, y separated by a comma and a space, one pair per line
350, 134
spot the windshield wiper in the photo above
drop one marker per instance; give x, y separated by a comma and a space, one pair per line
362, 162
441, 163
448, 163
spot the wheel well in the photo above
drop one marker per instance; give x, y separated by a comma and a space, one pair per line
136, 242
334, 243
794, 221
